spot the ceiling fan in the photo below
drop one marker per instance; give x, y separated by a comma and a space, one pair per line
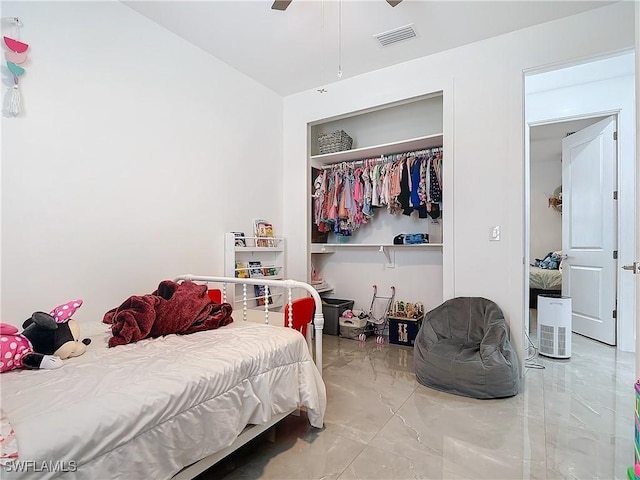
283, 4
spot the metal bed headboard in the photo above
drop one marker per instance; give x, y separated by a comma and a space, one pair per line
289, 285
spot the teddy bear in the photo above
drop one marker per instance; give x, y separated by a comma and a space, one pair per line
16, 351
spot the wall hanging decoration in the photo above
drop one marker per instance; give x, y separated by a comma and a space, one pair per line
15, 55
555, 200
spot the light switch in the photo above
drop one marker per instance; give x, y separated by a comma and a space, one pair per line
494, 233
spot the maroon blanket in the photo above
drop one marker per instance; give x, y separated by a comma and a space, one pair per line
173, 308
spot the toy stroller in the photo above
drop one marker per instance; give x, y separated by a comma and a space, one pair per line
378, 315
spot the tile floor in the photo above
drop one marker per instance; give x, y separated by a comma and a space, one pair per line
572, 420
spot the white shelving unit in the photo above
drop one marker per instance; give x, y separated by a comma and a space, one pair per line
271, 259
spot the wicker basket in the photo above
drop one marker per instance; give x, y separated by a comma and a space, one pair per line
337, 141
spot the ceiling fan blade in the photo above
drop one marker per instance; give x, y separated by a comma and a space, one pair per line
281, 4
393, 3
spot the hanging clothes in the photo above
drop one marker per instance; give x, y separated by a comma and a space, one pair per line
434, 180
346, 195
405, 189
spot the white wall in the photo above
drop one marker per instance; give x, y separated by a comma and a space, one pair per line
136, 151
484, 145
546, 176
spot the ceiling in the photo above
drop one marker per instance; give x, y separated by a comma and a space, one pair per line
546, 140
300, 49
556, 131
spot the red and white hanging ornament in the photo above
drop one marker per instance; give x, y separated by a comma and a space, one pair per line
15, 56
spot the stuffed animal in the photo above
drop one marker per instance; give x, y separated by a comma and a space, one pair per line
64, 312
47, 339
16, 351
51, 338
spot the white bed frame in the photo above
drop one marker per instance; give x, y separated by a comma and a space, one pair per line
248, 434
252, 431
251, 314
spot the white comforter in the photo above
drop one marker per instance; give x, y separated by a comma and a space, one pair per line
147, 410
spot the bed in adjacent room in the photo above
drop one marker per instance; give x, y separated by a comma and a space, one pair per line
163, 406
543, 281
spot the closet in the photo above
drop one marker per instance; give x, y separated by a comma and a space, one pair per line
350, 265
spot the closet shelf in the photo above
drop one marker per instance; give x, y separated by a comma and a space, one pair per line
259, 249
418, 143
332, 247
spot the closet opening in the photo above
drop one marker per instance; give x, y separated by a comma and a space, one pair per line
384, 139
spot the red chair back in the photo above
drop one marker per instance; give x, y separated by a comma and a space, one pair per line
302, 312
215, 295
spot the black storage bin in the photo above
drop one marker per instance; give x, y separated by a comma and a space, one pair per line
332, 309
403, 330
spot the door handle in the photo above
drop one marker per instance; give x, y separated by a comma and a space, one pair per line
634, 267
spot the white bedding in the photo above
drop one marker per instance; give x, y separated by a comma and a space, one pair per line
147, 410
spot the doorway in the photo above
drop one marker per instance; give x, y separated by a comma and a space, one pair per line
559, 102
565, 164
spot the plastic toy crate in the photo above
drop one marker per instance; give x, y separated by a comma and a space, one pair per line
403, 330
332, 309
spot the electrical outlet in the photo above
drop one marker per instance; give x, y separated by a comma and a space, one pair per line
494, 233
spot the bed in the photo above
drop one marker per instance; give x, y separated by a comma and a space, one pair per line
543, 281
167, 406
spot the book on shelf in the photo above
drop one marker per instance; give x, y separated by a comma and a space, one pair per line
242, 270
240, 240
264, 233
270, 271
260, 291
322, 286
255, 269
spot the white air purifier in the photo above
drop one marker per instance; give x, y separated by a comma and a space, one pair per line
554, 326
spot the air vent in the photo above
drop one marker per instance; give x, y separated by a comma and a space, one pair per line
547, 340
396, 35
562, 341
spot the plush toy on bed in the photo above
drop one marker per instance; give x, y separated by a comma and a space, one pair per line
56, 333
46, 340
52, 338
16, 351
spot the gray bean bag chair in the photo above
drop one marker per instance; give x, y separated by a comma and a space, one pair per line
463, 347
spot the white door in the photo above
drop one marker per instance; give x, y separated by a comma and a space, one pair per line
589, 229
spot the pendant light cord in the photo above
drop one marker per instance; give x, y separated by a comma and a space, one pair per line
340, 39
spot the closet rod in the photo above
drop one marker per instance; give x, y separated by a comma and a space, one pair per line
387, 158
